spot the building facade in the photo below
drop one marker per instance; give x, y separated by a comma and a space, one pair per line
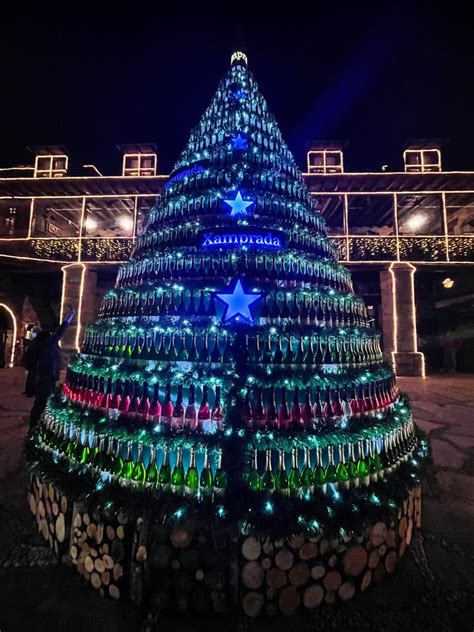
407, 236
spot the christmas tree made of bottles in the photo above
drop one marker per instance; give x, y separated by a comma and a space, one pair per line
232, 367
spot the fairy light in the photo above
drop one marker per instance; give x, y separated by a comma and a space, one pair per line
15, 331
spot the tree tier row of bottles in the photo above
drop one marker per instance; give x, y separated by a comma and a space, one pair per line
307, 309
115, 462
284, 267
319, 471
262, 159
193, 234
177, 409
297, 473
345, 351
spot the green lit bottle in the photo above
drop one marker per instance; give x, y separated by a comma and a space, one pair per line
177, 477
375, 464
352, 467
79, 448
152, 472
341, 469
294, 478
362, 466
268, 481
128, 464
253, 478
331, 475
220, 479
118, 461
98, 454
85, 452
307, 477
191, 480
164, 479
206, 482
319, 472
139, 471
281, 478
71, 446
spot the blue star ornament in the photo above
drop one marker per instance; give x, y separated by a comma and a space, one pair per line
238, 303
239, 141
239, 205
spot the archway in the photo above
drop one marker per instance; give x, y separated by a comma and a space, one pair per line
10, 358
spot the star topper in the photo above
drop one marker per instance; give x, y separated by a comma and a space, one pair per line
238, 303
239, 205
239, 141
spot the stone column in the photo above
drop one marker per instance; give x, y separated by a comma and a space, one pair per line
79, 290
400, 346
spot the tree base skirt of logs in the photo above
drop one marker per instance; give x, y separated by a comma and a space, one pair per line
187, 568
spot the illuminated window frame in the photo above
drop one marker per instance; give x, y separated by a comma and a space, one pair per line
432, 167
325, 168
50, 172
140, 171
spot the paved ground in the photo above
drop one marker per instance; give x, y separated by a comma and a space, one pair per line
431, 591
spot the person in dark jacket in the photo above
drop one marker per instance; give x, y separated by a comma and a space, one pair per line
30, 361
48, 369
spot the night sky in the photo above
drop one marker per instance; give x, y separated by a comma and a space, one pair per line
90, 80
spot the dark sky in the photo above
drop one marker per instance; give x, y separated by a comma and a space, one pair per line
370, 75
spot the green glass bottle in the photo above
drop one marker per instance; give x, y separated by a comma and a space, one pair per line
294, 478
375, 464
139, 471
98, 454
191, 480
362, 466
281, 478
220, 479
206, 481
352, 467
341, 469
71, 447
331, 475
152, 472
253, 478
268, 481
307, 477
128, 464
319, 472
118, 461
177, 477
164, 479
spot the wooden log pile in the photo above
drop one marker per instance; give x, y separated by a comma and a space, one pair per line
52, 511
186, 568
100, 550
282, 575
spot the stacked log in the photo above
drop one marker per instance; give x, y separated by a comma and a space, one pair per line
187, 567
100, 551
52, 512
280, 575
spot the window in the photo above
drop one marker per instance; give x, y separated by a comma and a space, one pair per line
422, 160
460, 213
109, 217
14, 217
325, 161
370, 215
50, 166
420, 215
139, 165
56, 217
331, 208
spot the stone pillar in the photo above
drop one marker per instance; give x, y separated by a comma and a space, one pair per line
400, 346
79, 290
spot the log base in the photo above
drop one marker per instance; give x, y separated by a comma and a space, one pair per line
193, 568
